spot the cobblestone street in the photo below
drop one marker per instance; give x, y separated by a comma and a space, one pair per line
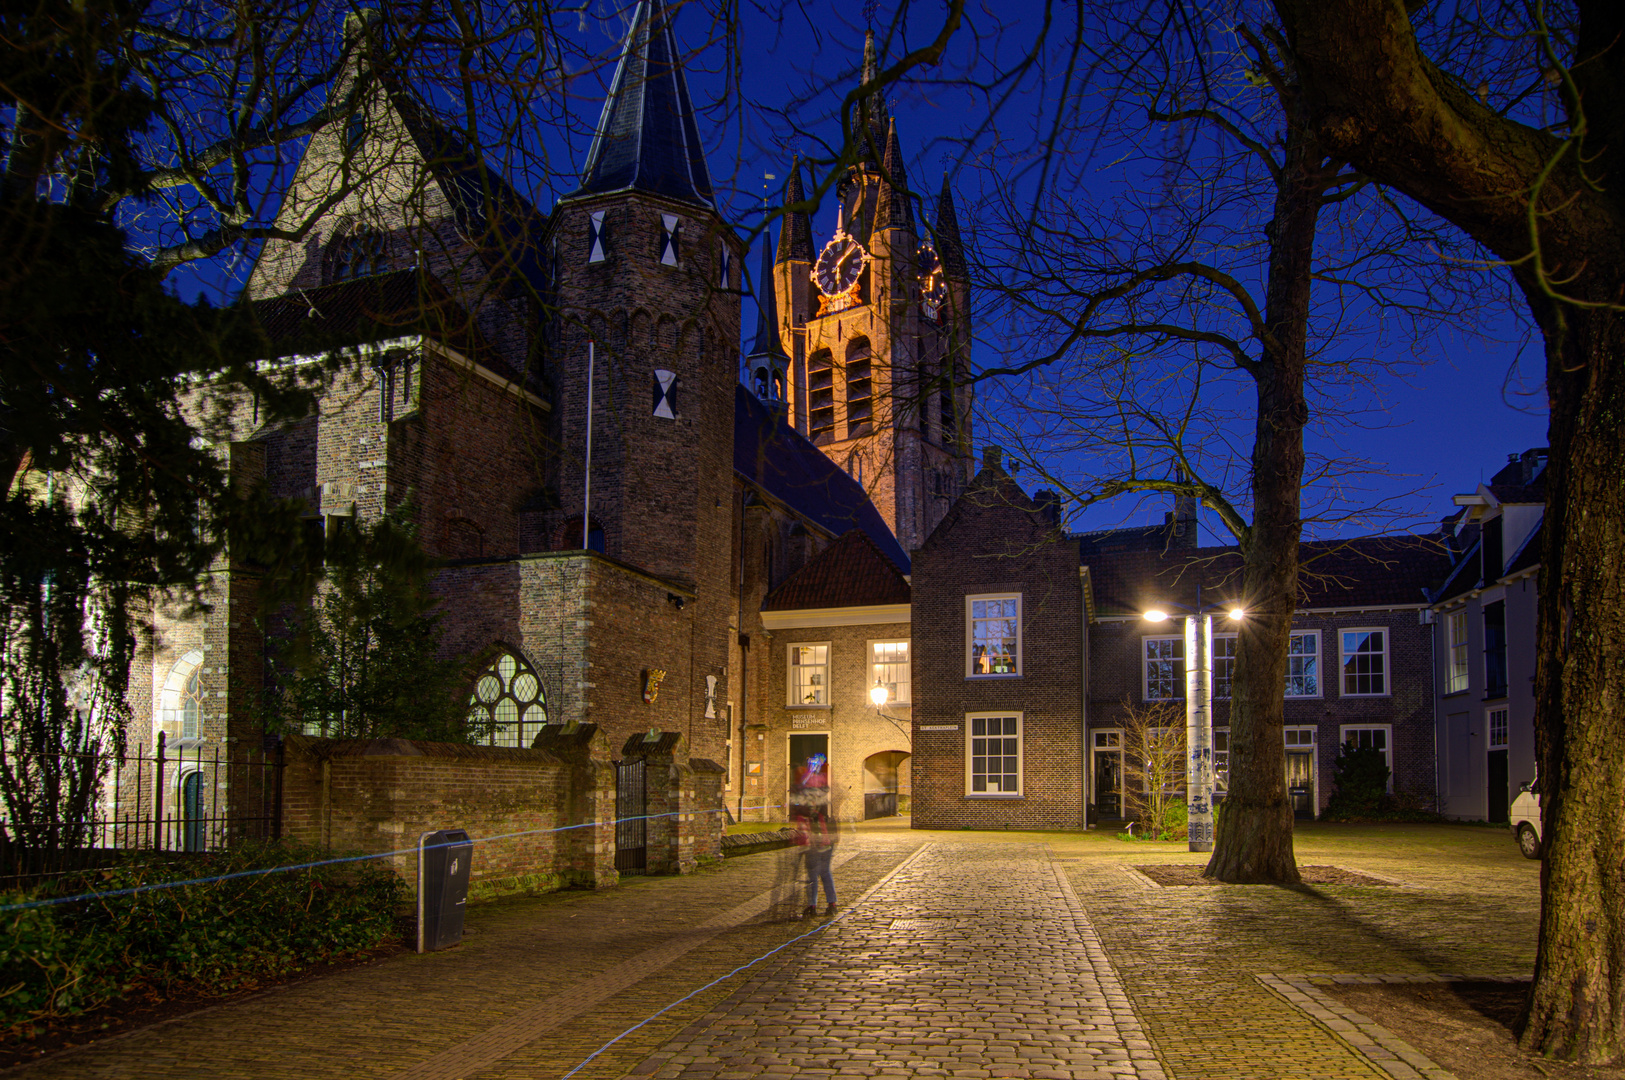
955, 954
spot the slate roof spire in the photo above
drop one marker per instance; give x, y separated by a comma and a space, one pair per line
795, 229
647, 138
893, 208
767, 343
950, 249
872, 107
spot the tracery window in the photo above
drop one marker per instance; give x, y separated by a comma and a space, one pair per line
355, 254
191, 706
508, 702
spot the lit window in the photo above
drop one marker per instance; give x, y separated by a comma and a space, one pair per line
1455, 626
809, 675
889, 667
993, 755
508, 707
1302, 660
993, 635
1164, 668
1224, 664
1498, 729
1365, 663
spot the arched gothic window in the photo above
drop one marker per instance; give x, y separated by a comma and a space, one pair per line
508, 702
356, 253
191, 706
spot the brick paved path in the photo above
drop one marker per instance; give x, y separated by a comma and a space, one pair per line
970, 960
974, 955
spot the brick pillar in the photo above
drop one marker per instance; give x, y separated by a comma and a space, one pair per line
703, 812
588, 801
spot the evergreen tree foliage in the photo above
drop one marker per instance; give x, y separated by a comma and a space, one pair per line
1360, 775
362, 662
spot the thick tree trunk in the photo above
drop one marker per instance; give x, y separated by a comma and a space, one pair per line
1253, 841
1576, 1009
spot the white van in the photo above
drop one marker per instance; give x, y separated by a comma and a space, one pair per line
1525, 816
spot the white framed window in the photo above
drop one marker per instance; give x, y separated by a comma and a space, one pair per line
993, 635
1303, 665
808, 680
1302, 738
1378, 737
992, 754
1455, 630
1164, 669
1224, 665
1221, 760
1500, 730
888, 666
1365, 662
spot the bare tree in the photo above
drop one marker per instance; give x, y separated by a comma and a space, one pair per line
1184, 341
1153, 764
1507, 120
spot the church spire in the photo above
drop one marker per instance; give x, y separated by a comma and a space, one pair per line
766, 361
950, 249
647, 139
893, 208
795, 227
872, 107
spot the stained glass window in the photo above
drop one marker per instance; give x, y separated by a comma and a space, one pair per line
508, 706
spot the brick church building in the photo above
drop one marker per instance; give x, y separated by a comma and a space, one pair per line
490, 339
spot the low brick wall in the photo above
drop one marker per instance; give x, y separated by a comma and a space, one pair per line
542, 818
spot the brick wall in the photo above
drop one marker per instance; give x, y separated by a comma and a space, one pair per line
994, 540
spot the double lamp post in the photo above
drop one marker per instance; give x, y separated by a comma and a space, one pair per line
1198, 714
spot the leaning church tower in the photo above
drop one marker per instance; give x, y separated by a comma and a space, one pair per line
876, 326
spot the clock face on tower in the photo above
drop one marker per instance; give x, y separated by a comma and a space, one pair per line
933, 287
839, 266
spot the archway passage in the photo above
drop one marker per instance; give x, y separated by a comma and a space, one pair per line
885, 784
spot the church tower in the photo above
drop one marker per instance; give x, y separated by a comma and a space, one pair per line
876, 327
644, 332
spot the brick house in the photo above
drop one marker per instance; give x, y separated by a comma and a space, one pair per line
481, 331
1484, 622
1031, 643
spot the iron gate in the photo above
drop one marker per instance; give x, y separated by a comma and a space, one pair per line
631, 822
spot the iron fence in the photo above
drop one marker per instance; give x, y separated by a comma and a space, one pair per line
189, 796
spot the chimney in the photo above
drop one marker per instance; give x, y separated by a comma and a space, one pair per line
1049, 505
993, 458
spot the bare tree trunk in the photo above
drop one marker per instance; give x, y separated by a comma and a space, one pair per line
1253, 841
1576, 1009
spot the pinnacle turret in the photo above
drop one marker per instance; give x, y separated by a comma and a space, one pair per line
766, 362
893, 208
950, 249
795, 228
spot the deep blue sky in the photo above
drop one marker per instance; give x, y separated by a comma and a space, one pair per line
1451, 422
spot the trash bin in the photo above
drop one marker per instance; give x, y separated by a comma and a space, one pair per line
443, 863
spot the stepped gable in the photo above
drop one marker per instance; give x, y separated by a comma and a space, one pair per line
1370, 571
852, 572
782, 465
368, 309
647, 139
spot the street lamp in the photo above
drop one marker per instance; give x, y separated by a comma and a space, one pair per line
1198, 715
878, 694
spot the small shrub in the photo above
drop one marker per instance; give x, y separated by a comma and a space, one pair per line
1360, 777
207, 938
1175, 821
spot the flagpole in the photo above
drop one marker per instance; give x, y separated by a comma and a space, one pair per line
586, 493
